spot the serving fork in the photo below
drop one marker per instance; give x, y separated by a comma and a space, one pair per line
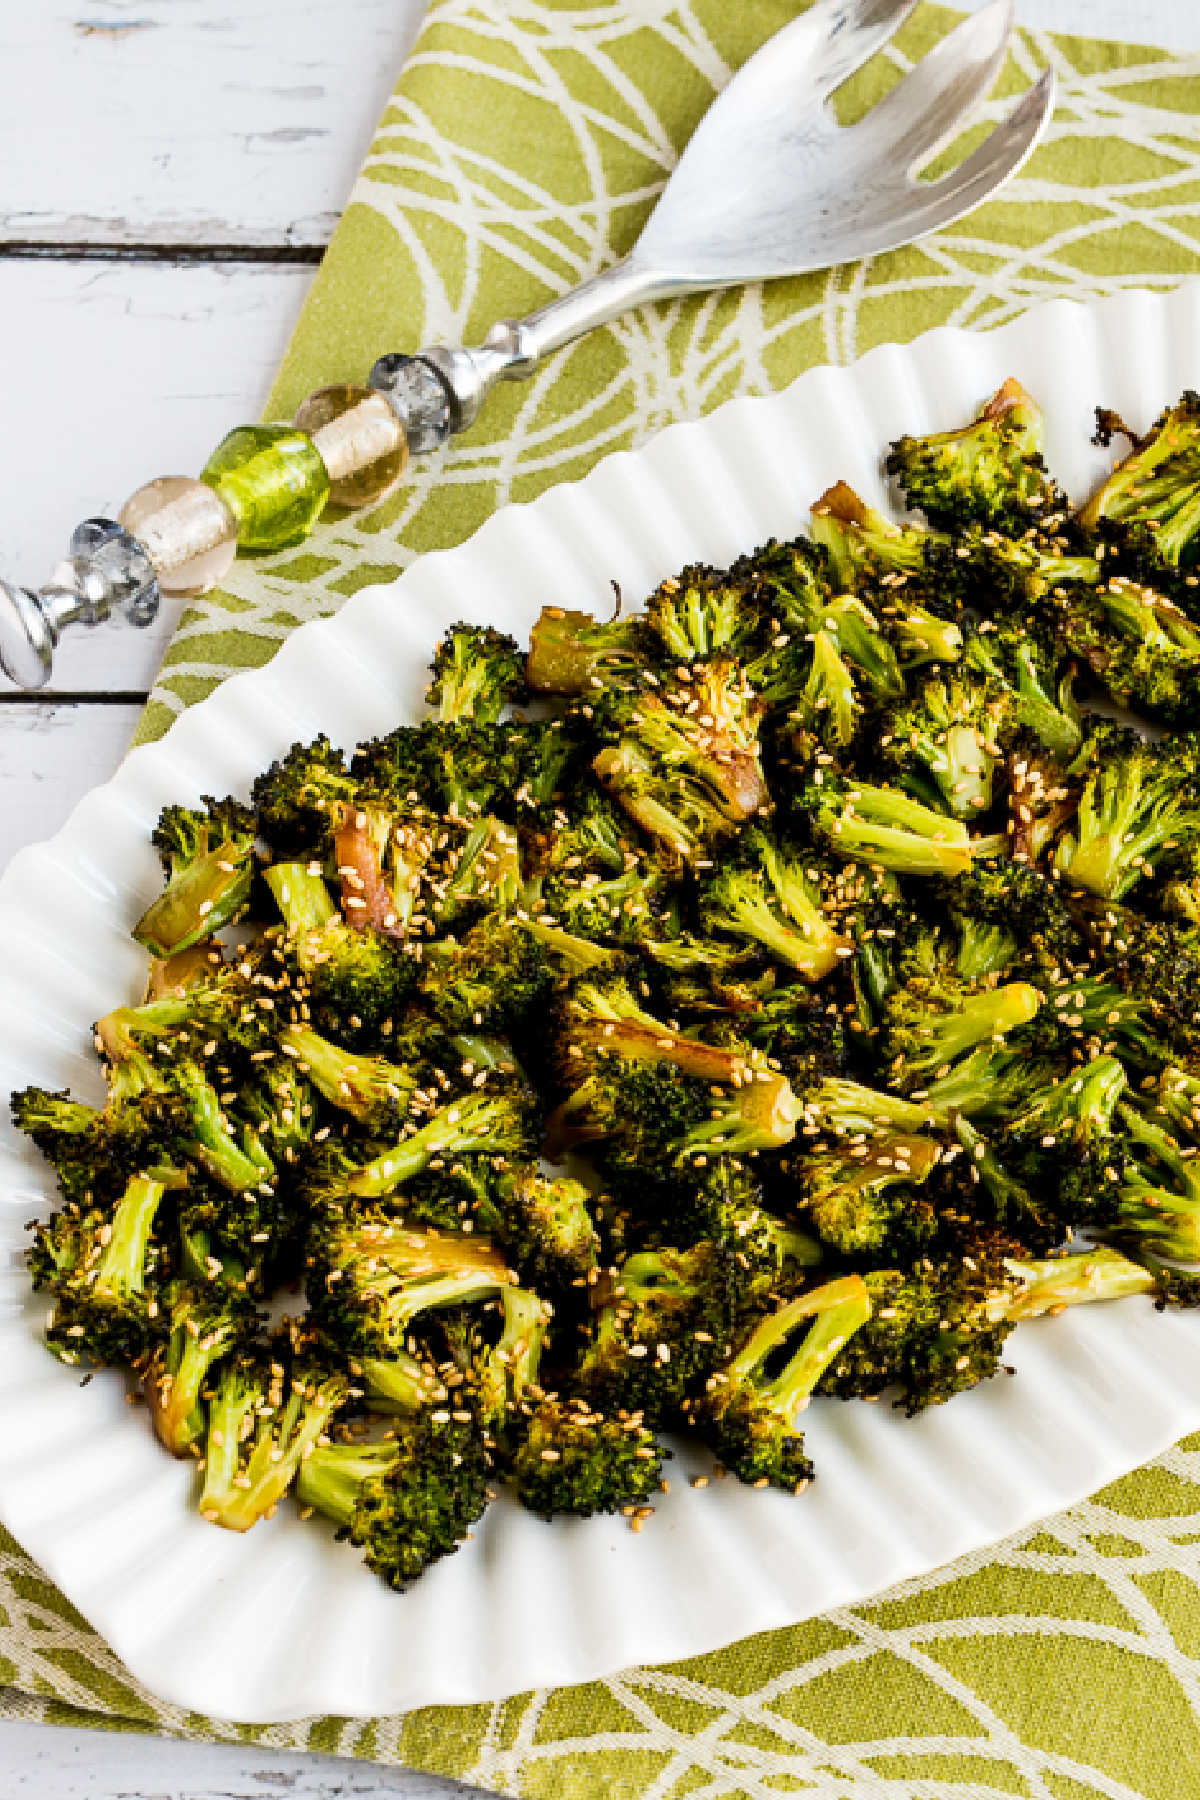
768, 185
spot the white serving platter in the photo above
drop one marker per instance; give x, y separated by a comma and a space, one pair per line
285, 1622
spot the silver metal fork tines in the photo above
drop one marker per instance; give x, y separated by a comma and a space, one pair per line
771, 185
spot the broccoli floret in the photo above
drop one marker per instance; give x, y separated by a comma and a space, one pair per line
356, 980
988, 1083
884, 828
943, 743
864, 1199
499, 1125
547, 1227
297, 798
723, 1203
750, 1415
1156, 962
647, 1118
1139, 803
769, 898
940, 1330
696, 974
661, 1329
1144, 650
1032, 694
573, 653
204, 1331
477, 672
1158, 1209
101, 1269
371, 1276
376, 1092
792, 582
704, 612
800, 1032
595, 883
267, 1414
1063, 1143
601, 1018
259, 1230
506, 1375
278, 1107
930, 1023
237, 1160
483, 872
827, 711
491, 979
801, 613
95, 1150
990, 472
404, 1502
686, 765
233, 1002
1026, 907
208, 859
477, 769
866, 551
1149, 508
576, 1460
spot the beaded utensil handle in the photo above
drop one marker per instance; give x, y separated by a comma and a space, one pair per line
768, 186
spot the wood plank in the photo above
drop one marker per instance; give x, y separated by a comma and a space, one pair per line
50, 756
190, 121
194, 122
57, 1763
117, 372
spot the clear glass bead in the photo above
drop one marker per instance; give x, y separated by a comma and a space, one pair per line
185, 529
273, 482
122, 564
418, 396
359, 438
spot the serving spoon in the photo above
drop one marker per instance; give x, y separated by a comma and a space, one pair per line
768, 185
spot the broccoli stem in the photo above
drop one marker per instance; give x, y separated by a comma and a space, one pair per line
465, 1127
761, 1114
212, 1144
846, 1108
397, 1384
799, 934
363, 1086
978, 1019
577, 955
332, 1478
200, 1336
281, 1432
837, 1310
830, 704
1059, 1281
210, 892
302, 898
121, 1269
921, 637
882, 827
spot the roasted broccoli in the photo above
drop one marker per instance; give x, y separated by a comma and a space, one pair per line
477, 672
750, 1414
406, 1501
208, 858
990, 472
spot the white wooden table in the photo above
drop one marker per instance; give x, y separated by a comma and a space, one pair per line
169, 173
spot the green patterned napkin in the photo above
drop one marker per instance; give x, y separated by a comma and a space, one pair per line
521, 150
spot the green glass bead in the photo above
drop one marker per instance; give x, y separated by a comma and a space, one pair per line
273, 481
